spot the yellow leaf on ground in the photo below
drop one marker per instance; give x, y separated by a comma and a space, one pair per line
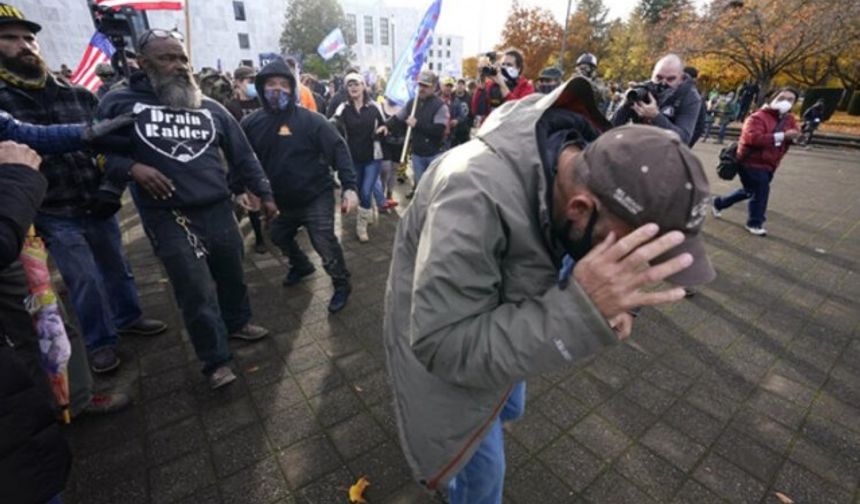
785, 499
356, 491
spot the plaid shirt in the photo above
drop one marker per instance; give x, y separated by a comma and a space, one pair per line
73, 179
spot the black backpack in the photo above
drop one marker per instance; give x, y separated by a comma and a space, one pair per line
729, 163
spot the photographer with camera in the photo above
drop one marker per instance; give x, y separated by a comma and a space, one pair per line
503, 81
669, 100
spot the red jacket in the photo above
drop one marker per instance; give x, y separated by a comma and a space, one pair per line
485, 100
756, 148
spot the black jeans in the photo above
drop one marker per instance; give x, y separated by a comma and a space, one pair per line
756, 188
318, 218
210, 290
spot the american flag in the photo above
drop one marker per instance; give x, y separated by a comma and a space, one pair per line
144, 4
98, 51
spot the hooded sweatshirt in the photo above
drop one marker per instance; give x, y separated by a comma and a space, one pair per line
296, 146
186, 145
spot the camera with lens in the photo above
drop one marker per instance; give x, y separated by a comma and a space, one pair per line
490, 70
639, 92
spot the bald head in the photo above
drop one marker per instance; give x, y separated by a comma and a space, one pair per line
669, 69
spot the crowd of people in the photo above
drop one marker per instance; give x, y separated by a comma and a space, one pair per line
513, 257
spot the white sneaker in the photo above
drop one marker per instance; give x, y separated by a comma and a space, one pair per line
221, 377
758, 231
716, 213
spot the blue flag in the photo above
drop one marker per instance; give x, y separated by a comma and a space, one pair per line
401, 82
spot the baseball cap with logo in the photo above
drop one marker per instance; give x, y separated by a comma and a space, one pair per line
10, 14
647, 174
427, 77
244, 72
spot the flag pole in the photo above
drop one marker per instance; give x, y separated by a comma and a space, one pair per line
408, 131
188, 29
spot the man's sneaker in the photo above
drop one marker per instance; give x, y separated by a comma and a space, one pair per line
102, 404
250, 332
758, 231
296, 275
104, 360
339, 299
144, 327
221, 377
717, 213
260, 248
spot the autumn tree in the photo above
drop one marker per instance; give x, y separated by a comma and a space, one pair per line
587, 31
306, 24
628, 54
535, 32
766, 37
470, 67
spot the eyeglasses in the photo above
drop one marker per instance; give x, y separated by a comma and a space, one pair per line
151, 35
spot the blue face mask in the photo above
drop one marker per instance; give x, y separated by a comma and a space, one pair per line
278, 99
250, 90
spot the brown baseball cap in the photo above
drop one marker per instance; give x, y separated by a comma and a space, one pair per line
244, 72
647, 174
427, 77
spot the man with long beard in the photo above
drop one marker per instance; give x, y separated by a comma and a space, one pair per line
85, 245
182, 193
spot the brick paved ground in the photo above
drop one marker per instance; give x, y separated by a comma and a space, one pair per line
750, 387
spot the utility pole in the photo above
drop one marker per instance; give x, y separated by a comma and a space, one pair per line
564, 38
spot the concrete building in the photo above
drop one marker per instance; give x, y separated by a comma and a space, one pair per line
377, 33
445, 56
224, 33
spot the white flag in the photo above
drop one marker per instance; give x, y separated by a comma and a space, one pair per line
332, 44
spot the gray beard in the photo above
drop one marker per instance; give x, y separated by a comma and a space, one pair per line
176, 91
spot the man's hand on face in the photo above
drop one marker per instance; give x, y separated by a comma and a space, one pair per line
155, 183
20, 154
615, 272
646, 111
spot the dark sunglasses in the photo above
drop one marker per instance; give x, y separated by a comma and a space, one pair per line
151, 35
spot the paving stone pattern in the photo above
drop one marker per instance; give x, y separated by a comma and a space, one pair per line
749, 388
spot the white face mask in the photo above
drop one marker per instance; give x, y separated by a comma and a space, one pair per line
781, 106
513, 72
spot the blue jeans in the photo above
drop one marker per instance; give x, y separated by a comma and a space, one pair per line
210, 290
722, 134
756, 188
368, 178
88, 252
420, 164
318, 219
482, 479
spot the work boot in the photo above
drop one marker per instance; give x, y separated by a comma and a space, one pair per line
104, 359
364, 216
339, 299
250, 332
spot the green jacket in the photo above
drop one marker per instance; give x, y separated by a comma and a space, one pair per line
472, 303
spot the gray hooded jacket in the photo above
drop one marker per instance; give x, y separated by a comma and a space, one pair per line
472, 302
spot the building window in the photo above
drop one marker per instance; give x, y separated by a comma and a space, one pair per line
431, 66
351, 29
244, 43
247, 63
239, 11
383, 31
449, 42
368, 30
447, 54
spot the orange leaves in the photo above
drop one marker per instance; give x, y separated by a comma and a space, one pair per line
356, 491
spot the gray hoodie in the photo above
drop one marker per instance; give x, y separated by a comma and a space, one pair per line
472, 303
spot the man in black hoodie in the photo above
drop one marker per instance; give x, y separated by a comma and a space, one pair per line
296, 147
182, 193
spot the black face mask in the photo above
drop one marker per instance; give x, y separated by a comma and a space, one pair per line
546, 88
577, 249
